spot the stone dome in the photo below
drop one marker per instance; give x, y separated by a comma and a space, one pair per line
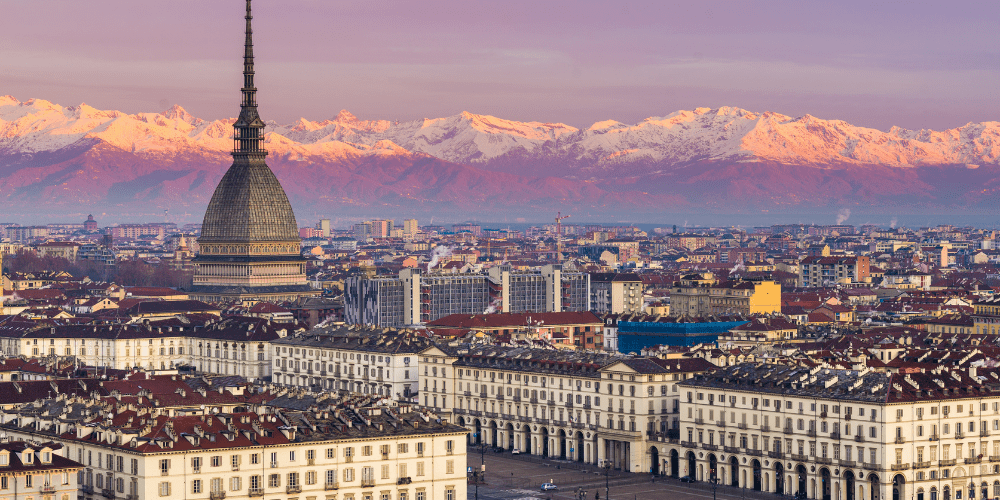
249, 205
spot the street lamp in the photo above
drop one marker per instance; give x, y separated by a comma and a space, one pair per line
607, 484
481, 473
715, 483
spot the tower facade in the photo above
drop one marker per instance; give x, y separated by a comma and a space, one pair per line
249, 238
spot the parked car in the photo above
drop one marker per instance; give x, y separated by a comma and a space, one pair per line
548, 486
688, 479
515, 451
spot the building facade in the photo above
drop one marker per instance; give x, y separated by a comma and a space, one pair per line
249, 238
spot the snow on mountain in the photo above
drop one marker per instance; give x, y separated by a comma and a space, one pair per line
704, 134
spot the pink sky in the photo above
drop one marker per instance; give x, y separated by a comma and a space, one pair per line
912, 64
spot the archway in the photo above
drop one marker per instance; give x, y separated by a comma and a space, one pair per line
479, 432
985, 491
654, 460
825, 484
873, 486
756, 475
494, 434
545, 441
734, 472
509, 428
801, 470
525, 445
779, 478
579, 447
563, 445
690, 464
675, 464
849, 485
713, 467
897, 487
946, 493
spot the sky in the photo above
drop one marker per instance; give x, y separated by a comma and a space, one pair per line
870, 63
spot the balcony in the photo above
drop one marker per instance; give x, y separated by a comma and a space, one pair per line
569, 404
309, 461
787, 430
533, 401
709, 447
741, 426
293, 488
217, 495
765, 428
984, 433
721, 423
236, 467
87, 488
834, 435
689, 444
900, 440
164, 472
755, 453
934, 437
973, 461
847, 416
404, 480
869, 466
776, 454
947, 463
255, 492
499, 397
274, 465
899, 466
699, 421
331, 485
994, 458
196, 470
847, 463
108, 493
959, 435
731, 449
859, 438
799, 458
811, 433
48, 488
824, 460
367, 482
921, 465
822, 414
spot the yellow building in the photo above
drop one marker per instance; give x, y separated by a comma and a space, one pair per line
698, 295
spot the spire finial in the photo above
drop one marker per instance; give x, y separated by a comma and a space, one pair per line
249, 129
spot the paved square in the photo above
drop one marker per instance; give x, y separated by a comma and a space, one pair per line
519, 477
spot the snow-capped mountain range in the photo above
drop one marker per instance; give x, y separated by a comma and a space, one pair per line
716, 158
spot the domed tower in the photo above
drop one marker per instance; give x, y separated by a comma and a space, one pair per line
249, 239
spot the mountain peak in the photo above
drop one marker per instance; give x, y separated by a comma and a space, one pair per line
8, 100
345, 116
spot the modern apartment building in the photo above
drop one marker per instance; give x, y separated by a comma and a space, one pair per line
818, 271
616, 293
415, 297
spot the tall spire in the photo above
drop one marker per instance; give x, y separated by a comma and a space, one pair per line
249, 129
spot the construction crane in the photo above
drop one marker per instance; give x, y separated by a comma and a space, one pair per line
559, 219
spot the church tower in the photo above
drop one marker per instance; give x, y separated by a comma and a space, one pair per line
249, 238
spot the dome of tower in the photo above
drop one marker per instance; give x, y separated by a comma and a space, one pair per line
249, 205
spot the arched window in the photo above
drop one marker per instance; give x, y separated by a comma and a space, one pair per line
920, 494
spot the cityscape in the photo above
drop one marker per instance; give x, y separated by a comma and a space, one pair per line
707, 303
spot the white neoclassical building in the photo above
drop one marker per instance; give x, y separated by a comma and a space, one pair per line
835, 434
583, 406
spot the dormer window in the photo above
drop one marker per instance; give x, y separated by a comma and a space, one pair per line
29, 457
46, 457
4, 458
